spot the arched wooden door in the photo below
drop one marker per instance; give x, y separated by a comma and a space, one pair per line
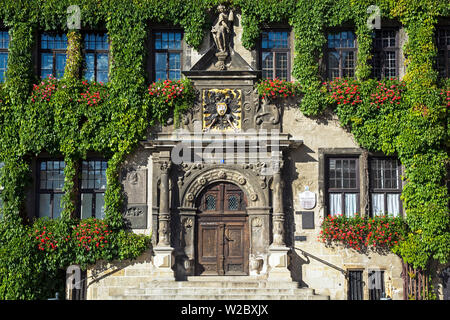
222, 233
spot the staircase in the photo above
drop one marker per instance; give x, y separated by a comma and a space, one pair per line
218, 288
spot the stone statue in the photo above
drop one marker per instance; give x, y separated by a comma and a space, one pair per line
221, 33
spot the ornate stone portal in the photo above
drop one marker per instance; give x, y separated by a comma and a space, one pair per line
230, 113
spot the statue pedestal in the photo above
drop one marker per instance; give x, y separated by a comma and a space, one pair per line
221, 56
164, 261
278, 263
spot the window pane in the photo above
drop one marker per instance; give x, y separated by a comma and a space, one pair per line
350, 204
267, 65
335, 204
100, 205
161, 66
233, 202
60, 65
210, 202
393, 204
377, 204
46, 65
57, 206
86, 205
102, 62
3, 64
89, 63
44, 205
4, 40
281, 66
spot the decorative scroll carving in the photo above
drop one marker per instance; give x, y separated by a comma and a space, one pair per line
222, 109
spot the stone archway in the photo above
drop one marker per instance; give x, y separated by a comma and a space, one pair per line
257, 210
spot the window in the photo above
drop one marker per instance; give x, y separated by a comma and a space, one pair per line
341, 53
443, 47
167, 55
275, 54
385, 186
355, 285
50, 185
343, 186
53, 55
93, 186
385, 53
376, 285
4, 45
96, 57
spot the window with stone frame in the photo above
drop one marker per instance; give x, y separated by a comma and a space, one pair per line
341, 54
50, 183
4, 46
96, 57
167, 53
342, 184
443, 54
275, 54
53, 55
385, 186
385, 51
93, 187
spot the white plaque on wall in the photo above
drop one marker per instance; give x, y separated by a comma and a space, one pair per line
307, 199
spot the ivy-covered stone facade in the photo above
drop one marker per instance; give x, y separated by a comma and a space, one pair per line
128, 124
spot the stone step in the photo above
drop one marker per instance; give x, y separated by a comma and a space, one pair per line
217, 291
219, 284
223, 297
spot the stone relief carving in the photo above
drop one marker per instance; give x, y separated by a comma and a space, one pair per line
222, 109
268, 114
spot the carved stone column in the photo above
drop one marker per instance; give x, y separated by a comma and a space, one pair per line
164, 212
278, 252
164, 258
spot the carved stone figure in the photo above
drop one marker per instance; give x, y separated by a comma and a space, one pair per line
221, 34
221, 29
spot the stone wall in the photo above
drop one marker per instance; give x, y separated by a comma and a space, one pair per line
304, 171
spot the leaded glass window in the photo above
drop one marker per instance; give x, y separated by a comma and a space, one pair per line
167, 55
385, 186
50, 188
4, 45
343, 186
93, 187
385, 53
275, 54
53, 55
96, 57
341, 60
443, 47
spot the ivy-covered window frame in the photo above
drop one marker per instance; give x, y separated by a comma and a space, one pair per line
380, 185
276, 52
169, 51
95, 53
51, 188
443, 51
5, 39
55, 53
90, 195
324, 154
383, 52
340, 51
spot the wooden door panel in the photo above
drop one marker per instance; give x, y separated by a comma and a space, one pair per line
222, 231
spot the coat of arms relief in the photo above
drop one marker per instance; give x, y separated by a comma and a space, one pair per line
222, 109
